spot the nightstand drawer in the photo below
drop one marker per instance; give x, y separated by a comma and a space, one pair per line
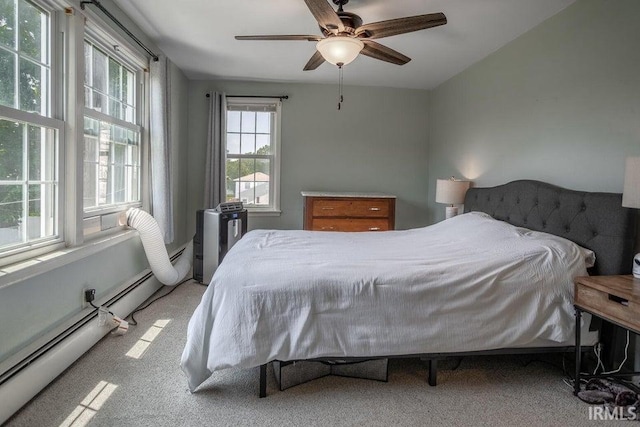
609, 306
350, 224
370, 208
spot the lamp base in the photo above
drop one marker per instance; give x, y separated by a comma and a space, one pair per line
450, 212
636, 266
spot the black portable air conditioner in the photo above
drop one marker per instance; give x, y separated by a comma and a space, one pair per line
217, 230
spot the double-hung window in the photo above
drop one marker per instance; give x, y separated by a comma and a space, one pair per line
253, 153
30, 130
112, 131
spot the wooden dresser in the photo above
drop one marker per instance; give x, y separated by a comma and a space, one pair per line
325, 211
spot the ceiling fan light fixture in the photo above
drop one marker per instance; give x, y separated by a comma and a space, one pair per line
339, 49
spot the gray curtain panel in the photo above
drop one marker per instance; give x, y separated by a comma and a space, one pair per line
215, 183
160, 147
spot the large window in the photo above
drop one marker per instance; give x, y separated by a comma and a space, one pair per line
29, 133
48, 126
111, 132
252, 150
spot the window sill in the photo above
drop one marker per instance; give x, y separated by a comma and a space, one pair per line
264, 213
41, 264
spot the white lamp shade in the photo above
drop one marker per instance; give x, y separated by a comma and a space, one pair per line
339, 49
450, 191
631, 192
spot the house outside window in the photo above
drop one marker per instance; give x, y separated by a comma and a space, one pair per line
30, 130
253, 153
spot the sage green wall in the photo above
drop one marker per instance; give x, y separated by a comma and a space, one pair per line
377, 142
559, 104
32, 307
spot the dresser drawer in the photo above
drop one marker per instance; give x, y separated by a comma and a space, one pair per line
618, 309
348, 212
350, 224
368, 208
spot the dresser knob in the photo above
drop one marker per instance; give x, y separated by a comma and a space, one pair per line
327, 208
327, 228
374, 209
374, 228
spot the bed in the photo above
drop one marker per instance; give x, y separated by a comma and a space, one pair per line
498, 278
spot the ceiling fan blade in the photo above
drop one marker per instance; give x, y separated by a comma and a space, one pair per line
325, 15
392, 27
310, 38
383, 53
315, 61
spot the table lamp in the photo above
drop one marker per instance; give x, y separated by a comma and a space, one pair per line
631, 196
451, 192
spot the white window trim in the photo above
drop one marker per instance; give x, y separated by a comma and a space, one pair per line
274, 207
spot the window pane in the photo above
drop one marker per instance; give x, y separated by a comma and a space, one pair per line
233, 172
88, 99
134, 183
263, 122
11, 151
247, 170
7, 23
11, 214
100, 102
99, 71
41, 211
247, 143
233, 121
129, 113
42, 153
32, 86
7, 78
88, 81
233, 143
263, 143
89, 185
35, 211
262, 182
119, 184
248, 121
115, 79
128, 87
32, 26
115, 109
37, 162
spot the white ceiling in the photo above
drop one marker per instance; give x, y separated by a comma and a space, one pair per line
198, 36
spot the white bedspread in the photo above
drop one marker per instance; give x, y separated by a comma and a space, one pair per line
468, 283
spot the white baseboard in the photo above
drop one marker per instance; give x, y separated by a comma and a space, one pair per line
26, 384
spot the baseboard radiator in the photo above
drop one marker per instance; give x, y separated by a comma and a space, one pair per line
33, 373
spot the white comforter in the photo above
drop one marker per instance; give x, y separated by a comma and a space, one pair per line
464, 284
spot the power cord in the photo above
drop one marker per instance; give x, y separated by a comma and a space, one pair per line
133, 320
98, 308
597, 350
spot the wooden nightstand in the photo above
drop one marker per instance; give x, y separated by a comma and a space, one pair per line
615, 299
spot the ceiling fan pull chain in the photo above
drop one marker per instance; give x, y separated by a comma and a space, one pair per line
340, 97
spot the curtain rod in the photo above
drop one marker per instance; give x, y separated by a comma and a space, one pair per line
97, 4
280, 97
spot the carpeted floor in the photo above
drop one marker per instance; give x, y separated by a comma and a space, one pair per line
135, 380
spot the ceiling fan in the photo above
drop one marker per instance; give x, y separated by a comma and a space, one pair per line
345, 36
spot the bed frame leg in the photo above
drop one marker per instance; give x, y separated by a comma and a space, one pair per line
433, 372
263, 381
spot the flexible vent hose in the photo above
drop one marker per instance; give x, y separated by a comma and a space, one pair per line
153, 243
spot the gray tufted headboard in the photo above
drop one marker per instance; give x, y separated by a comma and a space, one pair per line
596, 221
